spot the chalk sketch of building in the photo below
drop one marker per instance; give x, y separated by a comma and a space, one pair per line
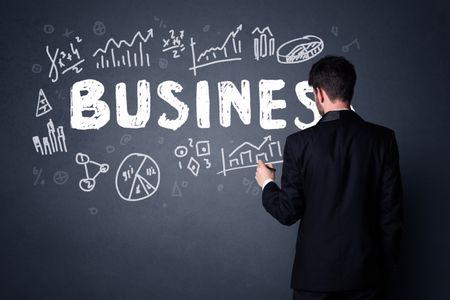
54, 142
228, 51
124, 53
247, 155
263, 43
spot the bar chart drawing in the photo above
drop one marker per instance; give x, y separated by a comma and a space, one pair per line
263, 42
124, 53
54, 142
230, 50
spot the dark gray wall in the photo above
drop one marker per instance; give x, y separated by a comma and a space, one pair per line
210, 238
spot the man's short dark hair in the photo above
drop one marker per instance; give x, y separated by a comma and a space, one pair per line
335, 75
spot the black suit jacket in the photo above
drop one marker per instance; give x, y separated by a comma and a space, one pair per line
341, 178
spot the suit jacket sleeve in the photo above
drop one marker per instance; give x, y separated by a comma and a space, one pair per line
391, 205
286, 203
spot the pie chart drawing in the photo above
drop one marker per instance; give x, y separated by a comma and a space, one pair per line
137, 177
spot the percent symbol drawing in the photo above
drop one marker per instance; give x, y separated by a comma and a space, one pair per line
251, 186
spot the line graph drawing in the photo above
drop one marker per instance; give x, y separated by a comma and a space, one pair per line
124, 53
88, 184
137, 177
246, 155
300, 49
227, 52
263, 43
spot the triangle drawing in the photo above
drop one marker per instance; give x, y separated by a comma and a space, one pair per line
43, 106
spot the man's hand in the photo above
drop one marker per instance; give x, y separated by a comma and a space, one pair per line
264, 173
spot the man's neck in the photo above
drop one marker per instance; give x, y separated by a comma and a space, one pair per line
337, 105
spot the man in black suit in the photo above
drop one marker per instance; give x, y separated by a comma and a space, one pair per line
341, 178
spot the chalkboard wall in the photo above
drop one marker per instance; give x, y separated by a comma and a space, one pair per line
130, 131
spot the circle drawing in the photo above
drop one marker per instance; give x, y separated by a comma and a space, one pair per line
110, 149
299, 50
163, 63
60, 177
137, 177
181, 151
36, 68
49, 29
125, 139
99, 28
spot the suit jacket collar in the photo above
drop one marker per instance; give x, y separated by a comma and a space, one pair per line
346, 114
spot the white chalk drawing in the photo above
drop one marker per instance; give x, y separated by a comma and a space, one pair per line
163, 63
59, 93
263, 43
174, 43
110, 149
43, 106
202, 148
67, 33
251, 186
199, 158
125, 139
346, 48
99, 28
193, 166
49, 29
160, 22
246, 155
229, 51
181, 151
60, 177
206, 28
38, 173
176, 190
90, 167
85, 96
36, 68
299, 50
124, 53
302, 89
53, 143
334, 30
137, 177
64, 61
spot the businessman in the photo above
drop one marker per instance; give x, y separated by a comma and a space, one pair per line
341, 179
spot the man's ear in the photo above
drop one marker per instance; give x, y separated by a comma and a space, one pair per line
319, 94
